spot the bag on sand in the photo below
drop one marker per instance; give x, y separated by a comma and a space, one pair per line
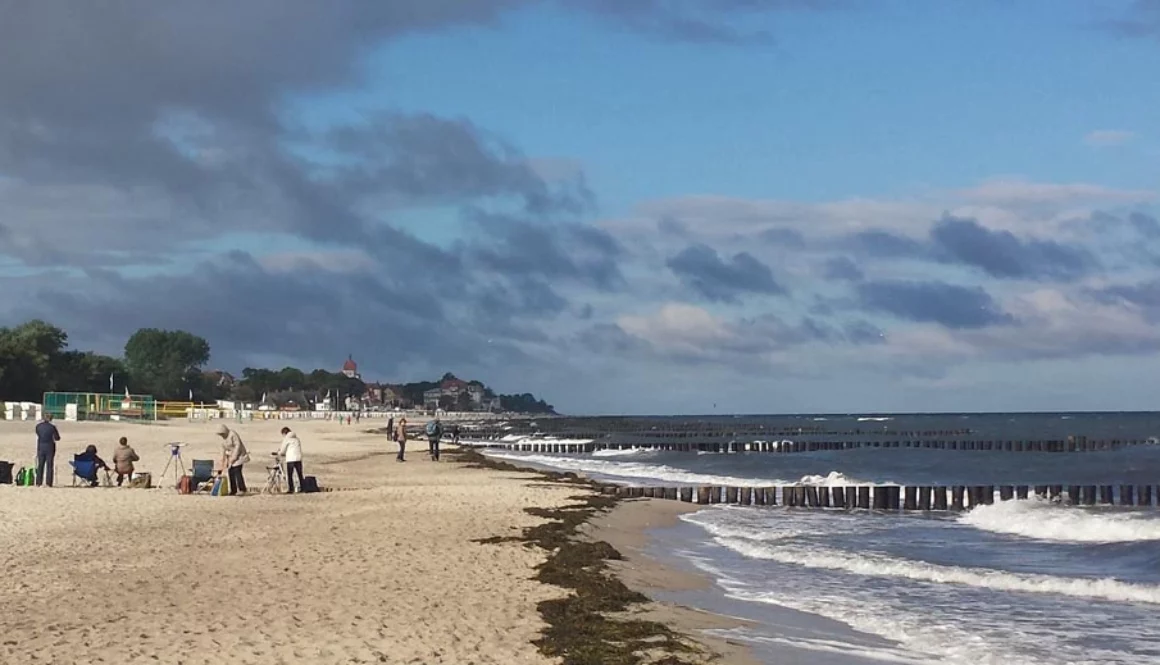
6, 473
309, 485
25, 477
185, 485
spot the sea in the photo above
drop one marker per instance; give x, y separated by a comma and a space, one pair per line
1015, 582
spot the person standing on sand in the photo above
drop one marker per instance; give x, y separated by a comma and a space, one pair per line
291, 451
46, 438
391, 428
123, 458
234, 457
434, 433
401, 438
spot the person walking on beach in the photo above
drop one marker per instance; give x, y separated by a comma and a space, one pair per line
401, 438
123, 458
291, 451
46, 438
434, 433
391, 428
234, 457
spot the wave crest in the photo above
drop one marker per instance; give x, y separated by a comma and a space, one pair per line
1042, 520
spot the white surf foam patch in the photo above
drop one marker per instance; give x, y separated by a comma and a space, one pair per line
614, 469
873, 565
835, 479
609, 452
1042, 520
873, 419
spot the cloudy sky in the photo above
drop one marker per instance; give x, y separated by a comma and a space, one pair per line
643, 206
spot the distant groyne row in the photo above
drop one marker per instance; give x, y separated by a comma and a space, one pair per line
896, 498
1071, 444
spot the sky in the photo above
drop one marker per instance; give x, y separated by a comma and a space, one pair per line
623, 206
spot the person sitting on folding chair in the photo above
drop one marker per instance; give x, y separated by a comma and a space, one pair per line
87, 464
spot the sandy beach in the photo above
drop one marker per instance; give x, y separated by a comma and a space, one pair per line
381, 570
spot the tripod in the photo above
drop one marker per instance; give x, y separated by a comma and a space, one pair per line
274, 477
175, 461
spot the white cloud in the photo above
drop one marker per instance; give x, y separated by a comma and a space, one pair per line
1020, 192
678, 327
1106, 138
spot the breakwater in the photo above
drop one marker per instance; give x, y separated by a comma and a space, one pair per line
674, 443
896, 498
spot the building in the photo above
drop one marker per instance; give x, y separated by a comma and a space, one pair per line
350, 368
462, 395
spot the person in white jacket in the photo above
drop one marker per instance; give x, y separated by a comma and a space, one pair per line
291, 451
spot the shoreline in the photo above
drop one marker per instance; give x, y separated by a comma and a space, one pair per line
627, 528
606, 535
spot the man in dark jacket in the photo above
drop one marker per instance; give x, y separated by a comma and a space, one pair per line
46, 438
434, 433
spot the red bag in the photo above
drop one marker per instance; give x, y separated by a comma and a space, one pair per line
184, 486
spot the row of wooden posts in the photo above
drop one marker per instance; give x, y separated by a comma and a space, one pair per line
1068, 445
895, 497
717, 433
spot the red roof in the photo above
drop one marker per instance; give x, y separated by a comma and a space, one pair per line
350, 364
453, 384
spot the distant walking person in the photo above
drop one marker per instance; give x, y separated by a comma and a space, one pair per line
391, 428
434, 433
123, 458
46, 438
234, 457
401, 438
291, 451
455, 434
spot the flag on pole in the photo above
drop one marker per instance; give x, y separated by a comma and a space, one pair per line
126, 392
191, 394
111, 381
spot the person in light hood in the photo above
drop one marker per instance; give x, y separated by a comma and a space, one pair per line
291, 451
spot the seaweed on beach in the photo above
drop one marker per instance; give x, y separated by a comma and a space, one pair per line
581, 627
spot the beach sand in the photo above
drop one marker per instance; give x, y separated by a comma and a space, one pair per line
381, 570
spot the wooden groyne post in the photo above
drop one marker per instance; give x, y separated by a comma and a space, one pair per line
895, 498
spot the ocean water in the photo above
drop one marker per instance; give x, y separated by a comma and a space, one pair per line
1014, 582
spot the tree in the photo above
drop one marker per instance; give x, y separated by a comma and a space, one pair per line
525, 403
165, 363
28, 353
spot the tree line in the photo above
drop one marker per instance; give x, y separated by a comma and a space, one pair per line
170, 365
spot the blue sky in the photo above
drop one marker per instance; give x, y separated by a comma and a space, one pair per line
648, 207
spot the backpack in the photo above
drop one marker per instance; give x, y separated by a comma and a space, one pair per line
433, 428
25, 477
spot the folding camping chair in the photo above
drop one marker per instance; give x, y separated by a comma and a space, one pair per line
86, 470
202, 473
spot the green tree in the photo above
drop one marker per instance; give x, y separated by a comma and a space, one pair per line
165, 363
85, 371
28, 353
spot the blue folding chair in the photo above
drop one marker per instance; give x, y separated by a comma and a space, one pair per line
85, 470
202, 473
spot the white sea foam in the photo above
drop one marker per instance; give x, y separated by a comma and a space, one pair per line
873, 565
835, 479
616, 469
1042, 520
873, 419
593, 464
610, 452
